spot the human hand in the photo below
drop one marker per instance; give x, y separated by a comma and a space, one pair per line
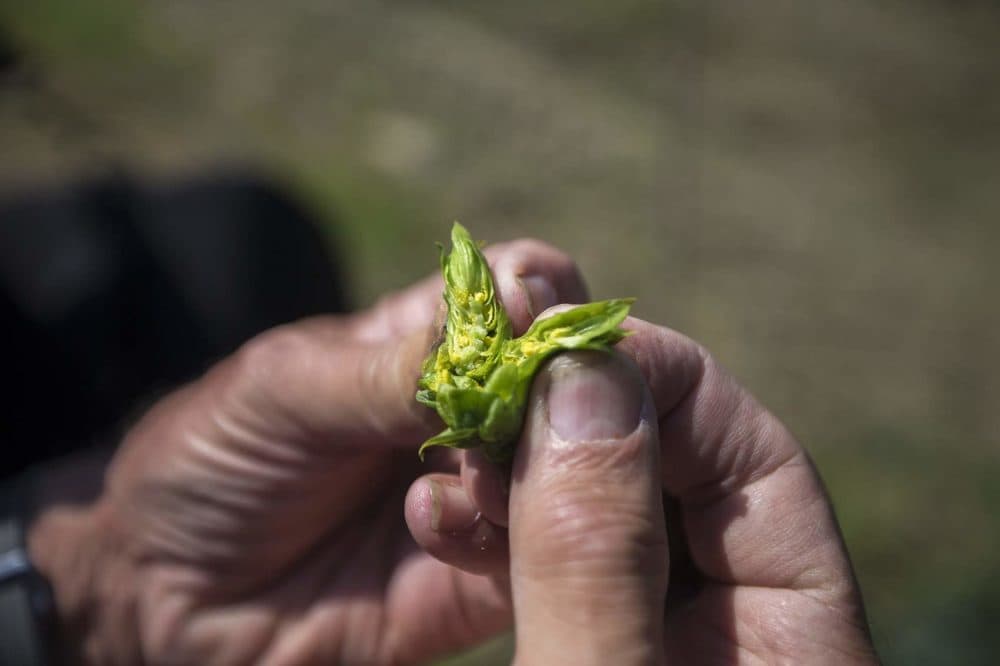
757, 570
254, 516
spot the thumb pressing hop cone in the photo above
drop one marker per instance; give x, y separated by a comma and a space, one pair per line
479, 376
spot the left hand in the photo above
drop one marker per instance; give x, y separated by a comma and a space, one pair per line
255, 516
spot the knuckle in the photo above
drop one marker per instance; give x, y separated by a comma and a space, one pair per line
597, 533
266, 358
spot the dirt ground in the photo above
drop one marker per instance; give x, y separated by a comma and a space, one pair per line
810, 189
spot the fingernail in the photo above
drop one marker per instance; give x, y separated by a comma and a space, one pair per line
593, 396
539, 293
451, 511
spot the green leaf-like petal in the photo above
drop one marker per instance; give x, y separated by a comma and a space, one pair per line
477, 325
478, 379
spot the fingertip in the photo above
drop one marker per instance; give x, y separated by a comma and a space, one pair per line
445, 524
538, 292
588, 540
438, 503
590, 419
531, 276
524, 296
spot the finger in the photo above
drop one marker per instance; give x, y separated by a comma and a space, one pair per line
587, 536
315, 382
532, 276
754, 509
446, 524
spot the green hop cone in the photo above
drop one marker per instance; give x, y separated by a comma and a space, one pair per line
479, 376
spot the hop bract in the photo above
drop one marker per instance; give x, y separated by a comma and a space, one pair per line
479, 377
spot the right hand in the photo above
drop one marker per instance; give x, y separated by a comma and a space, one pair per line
760, 573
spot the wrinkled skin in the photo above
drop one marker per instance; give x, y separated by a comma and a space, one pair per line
257, 515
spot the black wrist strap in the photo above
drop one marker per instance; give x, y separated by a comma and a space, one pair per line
25, 597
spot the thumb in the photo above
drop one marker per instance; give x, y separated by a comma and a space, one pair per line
588, 543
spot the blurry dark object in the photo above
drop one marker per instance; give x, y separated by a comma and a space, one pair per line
111, 292
9, 56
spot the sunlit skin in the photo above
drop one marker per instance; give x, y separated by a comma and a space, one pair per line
274, 512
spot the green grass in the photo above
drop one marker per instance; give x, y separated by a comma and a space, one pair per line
103, 31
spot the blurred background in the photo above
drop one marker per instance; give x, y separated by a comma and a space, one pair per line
810, 189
